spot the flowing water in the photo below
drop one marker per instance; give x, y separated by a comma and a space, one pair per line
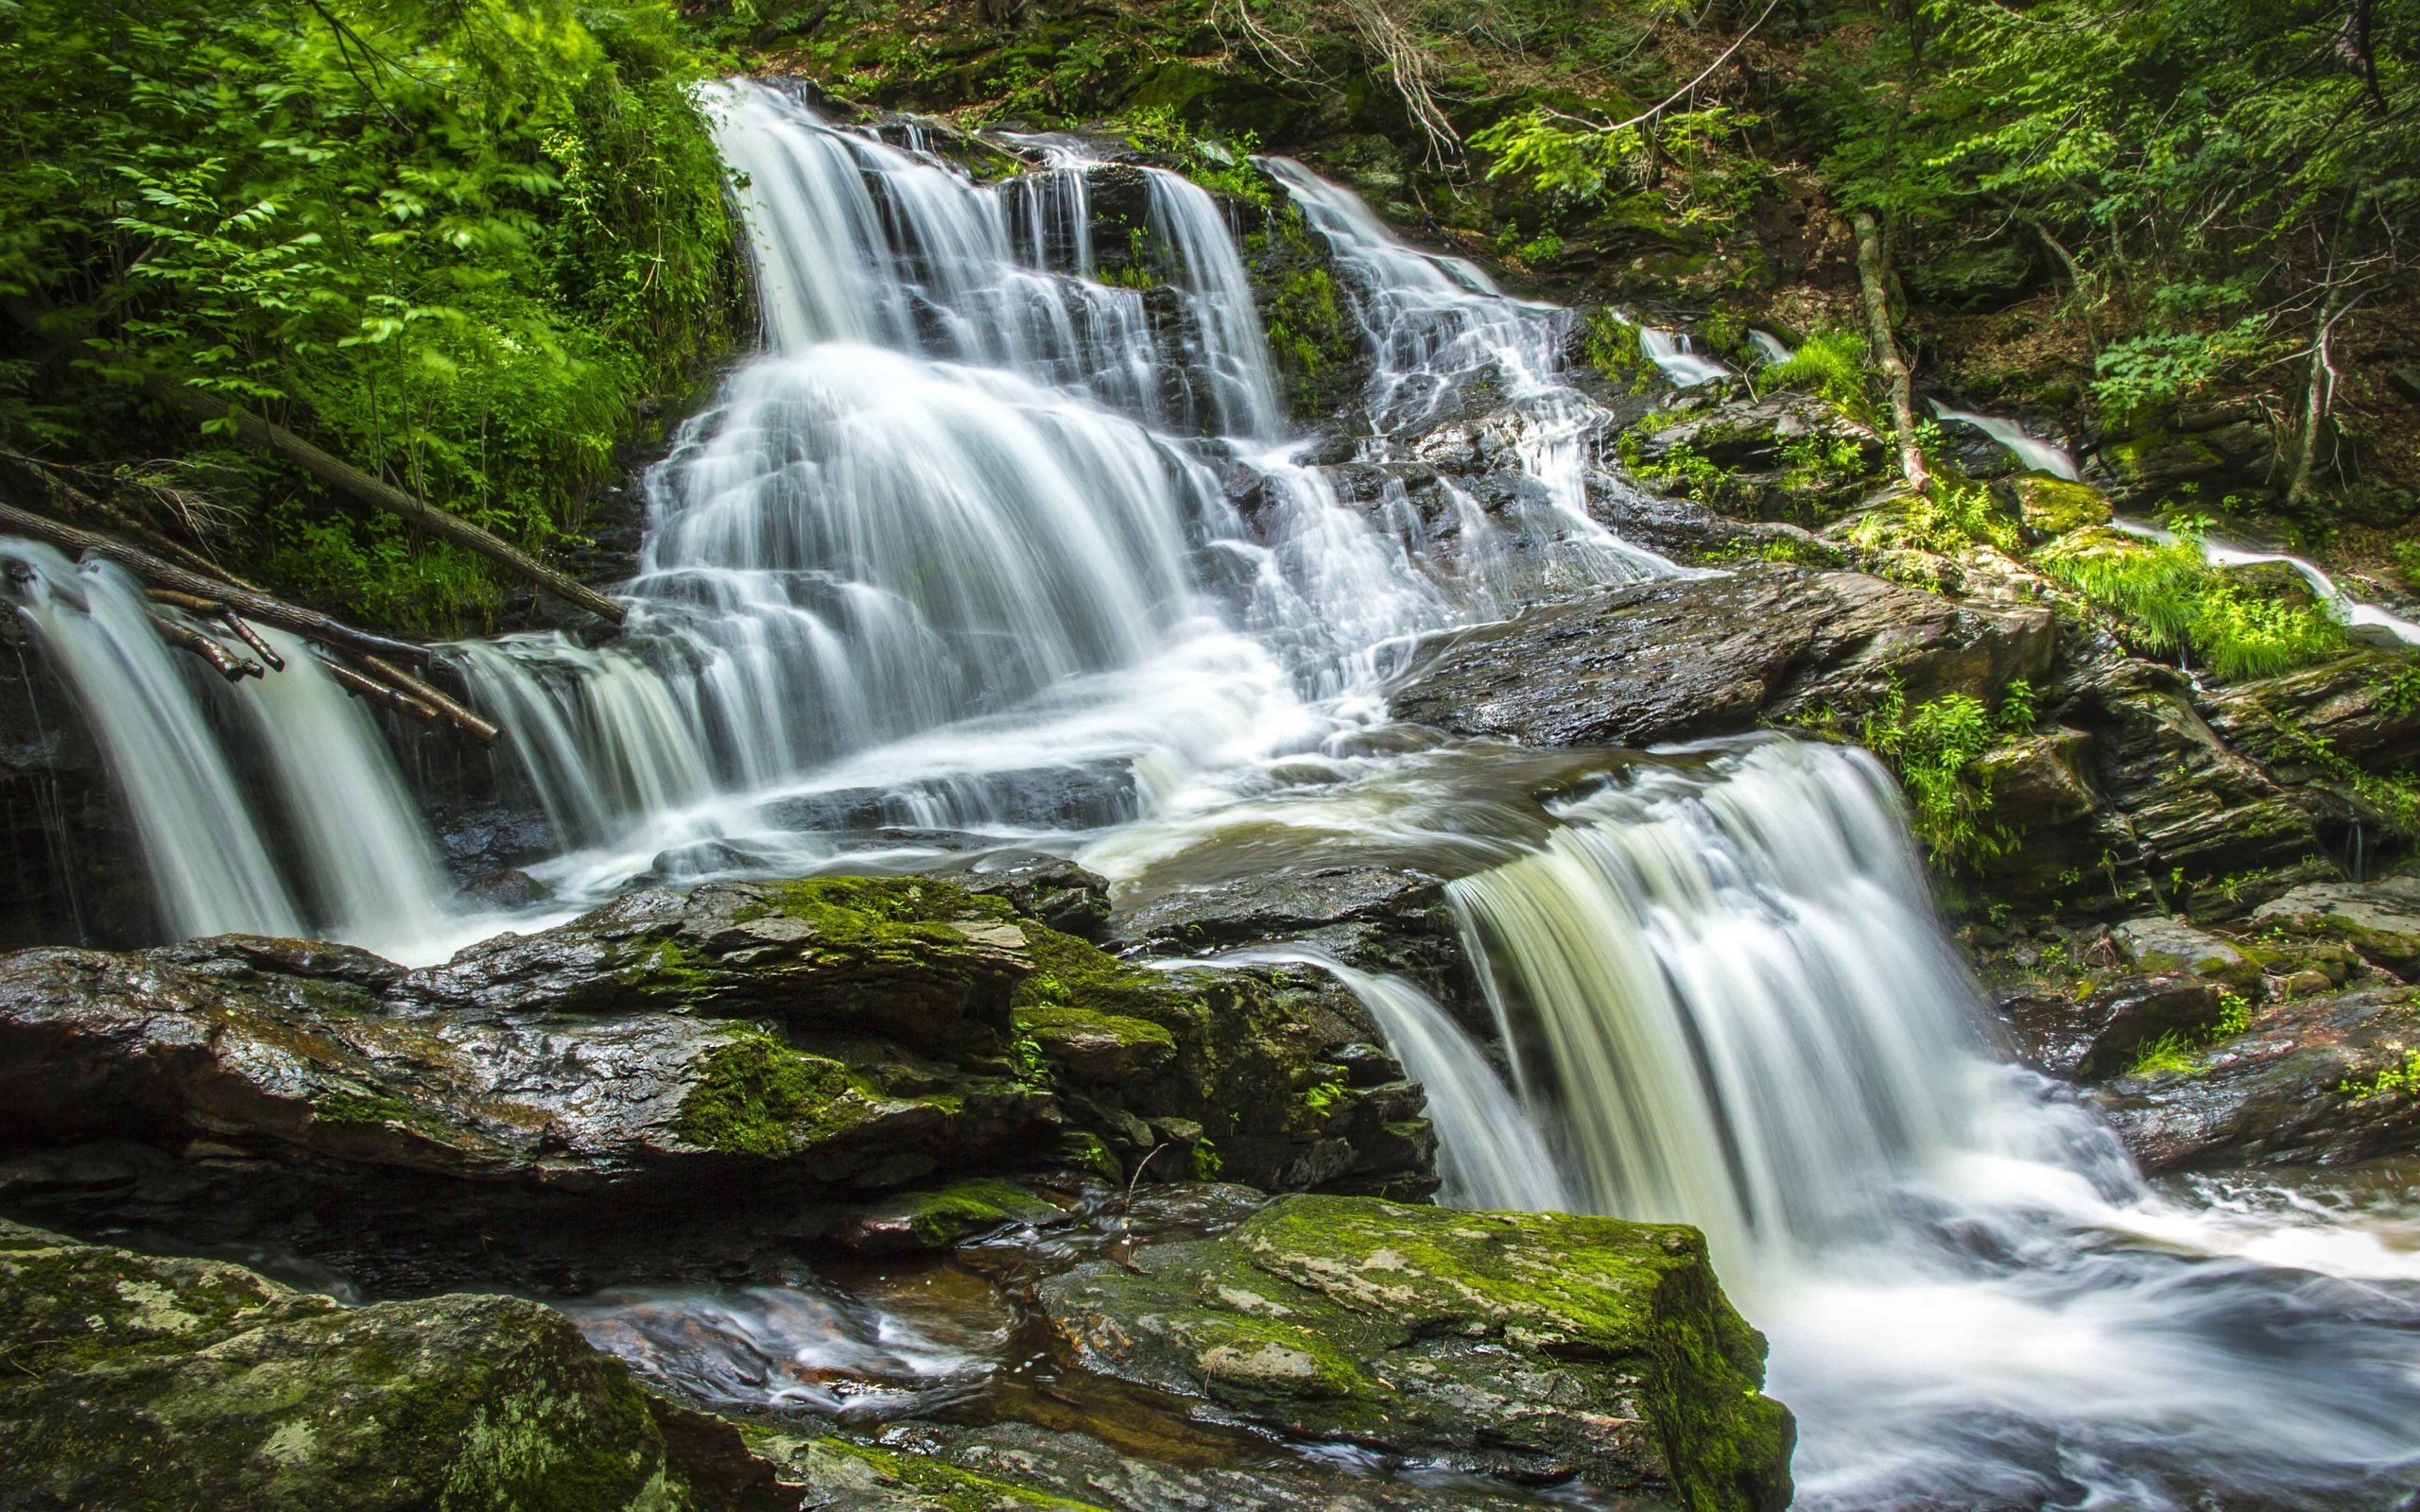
1676, 353
984, 548
2036, 454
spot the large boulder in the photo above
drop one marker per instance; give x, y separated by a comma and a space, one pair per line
761, 1048
140, 1382
2379, 919
2314, 1081
1536, 1345
1681, 658
2355, 711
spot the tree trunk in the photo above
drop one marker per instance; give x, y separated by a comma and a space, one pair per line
1873, 272
338, 473
2315, 404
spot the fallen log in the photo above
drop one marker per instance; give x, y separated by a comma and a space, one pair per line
362, 685
230, 666
167, 574
338, 473
463, 717
193, 604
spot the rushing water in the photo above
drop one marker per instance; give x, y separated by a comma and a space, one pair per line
2036, 454
984, 544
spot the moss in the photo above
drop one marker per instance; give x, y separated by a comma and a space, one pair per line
939, 1486
851, 910
362, 1107
1071, 975
670, 967
1373, 1320
2056, 506
757, 1096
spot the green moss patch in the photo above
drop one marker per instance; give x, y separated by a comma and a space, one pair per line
757, 1096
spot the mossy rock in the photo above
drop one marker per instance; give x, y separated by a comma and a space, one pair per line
838, 1472
1534, 1346
177, 1384
942, 1217
2055, 506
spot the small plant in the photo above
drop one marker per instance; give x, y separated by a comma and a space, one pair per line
1219, 167
1610, 344
2407, 558
1831, 365
2234, 1016
2169, 1052
1206, 1163
1937, 749
1323, 1096
1544, 248
2403, 1076
2016, 713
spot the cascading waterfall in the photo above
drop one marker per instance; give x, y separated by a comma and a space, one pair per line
369, 871
1676, 353
982, 542
1731, 1006
2035, 452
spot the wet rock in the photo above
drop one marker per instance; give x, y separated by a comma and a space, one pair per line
790, 1038
2099, 1034
1754, 435
2156, 944
2322, 1081
1531, 1346
1682, 659
507, 888
1054, 890
2379, 919
2044, 793
143, 1383
841, 1476
941, 1219
2194, 809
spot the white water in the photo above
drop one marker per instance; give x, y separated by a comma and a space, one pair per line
1772, 351
1489, 1152
1676, 353
2036, 454
1734, 1009
2343, 605
209, 773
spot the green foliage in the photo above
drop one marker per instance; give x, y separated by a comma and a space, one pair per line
455, 241
2406, 558
1945, 522
1323, 1096
1206, 1163
1937, 749
2170, 1054
1610, 345
1680, 470
1831, 363
1221, 168
1692, 158
2403, 1076
2169, 601
2017, 714
2141, 374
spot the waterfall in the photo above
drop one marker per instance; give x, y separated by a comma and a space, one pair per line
208, 773
210, 866
1490, 1155
1676, 353
1731, 1006
2036, 454
1770, 349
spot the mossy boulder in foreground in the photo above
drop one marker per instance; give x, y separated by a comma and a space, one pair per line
139, 1382
1538, 1346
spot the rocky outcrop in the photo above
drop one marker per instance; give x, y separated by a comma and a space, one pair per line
2357, 712
2379, 920
1685, 659
814, 1041
140, 1382
1536, 1345
2321, 1081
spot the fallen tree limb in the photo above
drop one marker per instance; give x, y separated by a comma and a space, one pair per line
340, 475
1873, 272
18, 476
230, 666
226, 616
463, 718
364, 686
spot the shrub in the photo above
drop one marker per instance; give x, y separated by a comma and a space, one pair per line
1831, 365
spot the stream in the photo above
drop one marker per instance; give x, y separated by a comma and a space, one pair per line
985, 550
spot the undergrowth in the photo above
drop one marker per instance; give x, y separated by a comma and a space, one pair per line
2170, 602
